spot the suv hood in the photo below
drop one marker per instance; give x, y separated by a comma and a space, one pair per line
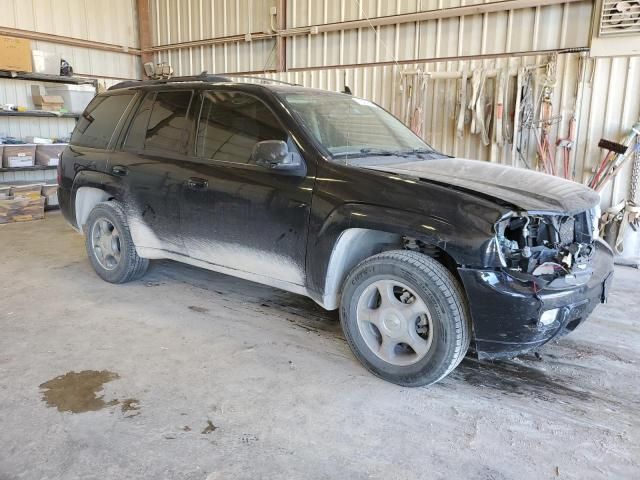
524, 189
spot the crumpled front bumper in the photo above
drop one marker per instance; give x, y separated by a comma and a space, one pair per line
506, 311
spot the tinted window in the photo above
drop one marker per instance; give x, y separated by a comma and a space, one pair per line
96, 125
168, 120
138, 127
231, 123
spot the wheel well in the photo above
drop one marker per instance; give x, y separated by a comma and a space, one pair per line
434, 252
356, 244
86, 199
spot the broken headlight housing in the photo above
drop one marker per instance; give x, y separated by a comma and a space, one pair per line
545, 246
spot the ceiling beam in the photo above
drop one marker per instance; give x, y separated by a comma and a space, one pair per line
70, 41
144, 30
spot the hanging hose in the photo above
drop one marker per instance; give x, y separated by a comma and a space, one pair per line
567, 144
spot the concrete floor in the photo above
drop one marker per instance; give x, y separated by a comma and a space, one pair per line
273, 375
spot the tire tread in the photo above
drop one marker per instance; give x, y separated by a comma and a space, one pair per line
451, 291
136, 265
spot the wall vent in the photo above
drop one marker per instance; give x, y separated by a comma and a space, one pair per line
619, 17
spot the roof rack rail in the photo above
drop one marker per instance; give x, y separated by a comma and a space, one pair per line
263, 79
203, 77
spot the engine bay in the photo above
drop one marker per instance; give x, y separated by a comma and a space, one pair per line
546, 246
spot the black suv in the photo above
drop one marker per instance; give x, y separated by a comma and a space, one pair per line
330, 196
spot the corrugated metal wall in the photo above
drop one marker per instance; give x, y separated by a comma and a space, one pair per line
549, 27
611, 106
530, 29
176, 21
112, 22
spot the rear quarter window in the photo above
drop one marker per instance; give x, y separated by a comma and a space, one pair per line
96, 125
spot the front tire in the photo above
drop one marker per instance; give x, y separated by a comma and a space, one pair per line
109, 244
405, 317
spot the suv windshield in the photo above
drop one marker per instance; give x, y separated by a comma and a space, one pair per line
353, 127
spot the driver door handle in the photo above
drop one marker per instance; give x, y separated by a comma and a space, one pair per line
197, 183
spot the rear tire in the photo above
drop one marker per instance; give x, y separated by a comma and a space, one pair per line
405, 317
109, 245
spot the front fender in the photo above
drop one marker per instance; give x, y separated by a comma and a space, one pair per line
464, 239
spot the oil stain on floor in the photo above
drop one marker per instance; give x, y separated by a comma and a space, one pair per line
77, 392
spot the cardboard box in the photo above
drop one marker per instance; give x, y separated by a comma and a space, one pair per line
20, 203
16, 54
32, 191
51, 103
21, 209
50, 193
49, 155
16, 156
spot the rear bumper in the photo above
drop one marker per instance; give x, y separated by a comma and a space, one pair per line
64, 200
506, 311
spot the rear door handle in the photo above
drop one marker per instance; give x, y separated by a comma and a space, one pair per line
196, 183
119, 170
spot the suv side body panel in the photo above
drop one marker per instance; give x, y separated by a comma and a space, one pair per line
151, 179
240, 215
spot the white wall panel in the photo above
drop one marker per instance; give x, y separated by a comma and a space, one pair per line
109, 22
255, 56
176, 21
612, 105
522, 30
112, 22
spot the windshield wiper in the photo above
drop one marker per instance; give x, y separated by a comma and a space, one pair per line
414, 151
366, 152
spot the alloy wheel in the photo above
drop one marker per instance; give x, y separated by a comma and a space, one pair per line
394, 322
105, 242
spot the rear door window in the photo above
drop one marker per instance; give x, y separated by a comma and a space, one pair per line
138, 126
168, 122
96, 125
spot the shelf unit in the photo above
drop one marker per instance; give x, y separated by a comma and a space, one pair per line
28, 169
41, 77
38, 113
38, 172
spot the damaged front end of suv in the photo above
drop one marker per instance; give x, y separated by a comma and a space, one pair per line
551, 251
553, 272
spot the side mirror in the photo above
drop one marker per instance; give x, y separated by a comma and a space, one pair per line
275, 155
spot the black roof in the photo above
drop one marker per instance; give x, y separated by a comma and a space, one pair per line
204, 77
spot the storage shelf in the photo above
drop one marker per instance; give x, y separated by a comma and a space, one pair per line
41, 77
29, 169
38, 113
